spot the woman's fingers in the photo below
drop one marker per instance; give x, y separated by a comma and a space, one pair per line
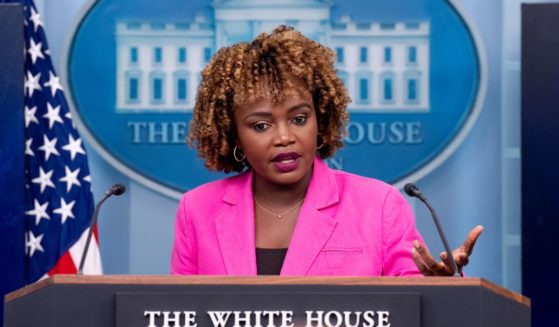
446, 260
427, 261
471, 239
460, 258
420, 264
428, 266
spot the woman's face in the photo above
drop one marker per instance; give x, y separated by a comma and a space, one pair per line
279, 140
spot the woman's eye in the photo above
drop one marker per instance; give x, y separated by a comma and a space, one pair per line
300, 120
260, 127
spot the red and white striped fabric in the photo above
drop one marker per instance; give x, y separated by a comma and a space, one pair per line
70, 261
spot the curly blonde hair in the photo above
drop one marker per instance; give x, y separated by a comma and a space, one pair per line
235, 76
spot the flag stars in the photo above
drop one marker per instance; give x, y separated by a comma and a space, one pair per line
39, 211
35, 18
71, 178
30, 116
65, 210
74, 147
53, 115
32, 83
69, 116
33, 244
44, 179
35, 51
49, 147
53, 186
28, 150
53, 83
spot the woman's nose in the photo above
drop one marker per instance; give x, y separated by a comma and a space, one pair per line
284, 135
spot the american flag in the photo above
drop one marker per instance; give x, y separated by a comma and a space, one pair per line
58, 198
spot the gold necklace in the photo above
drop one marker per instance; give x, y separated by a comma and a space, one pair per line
281, 215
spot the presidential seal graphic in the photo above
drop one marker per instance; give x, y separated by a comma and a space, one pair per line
413, 68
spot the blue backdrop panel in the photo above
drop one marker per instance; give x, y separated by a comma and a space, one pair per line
540, 159
11, 150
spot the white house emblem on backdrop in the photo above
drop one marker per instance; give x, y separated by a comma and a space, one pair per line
412, 68
386, 70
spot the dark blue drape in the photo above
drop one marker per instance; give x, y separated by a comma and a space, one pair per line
12, 145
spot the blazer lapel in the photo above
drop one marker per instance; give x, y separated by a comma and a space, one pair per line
235, 227
314, 226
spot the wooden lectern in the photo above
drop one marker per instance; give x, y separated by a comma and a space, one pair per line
128, 300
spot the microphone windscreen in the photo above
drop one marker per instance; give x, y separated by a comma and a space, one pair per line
411, 189
118, 189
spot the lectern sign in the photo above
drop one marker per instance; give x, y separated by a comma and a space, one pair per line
268, 309
413, 68
271, 318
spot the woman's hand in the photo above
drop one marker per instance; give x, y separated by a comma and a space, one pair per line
430, 267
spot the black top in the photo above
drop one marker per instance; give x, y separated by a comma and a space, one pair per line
269, 261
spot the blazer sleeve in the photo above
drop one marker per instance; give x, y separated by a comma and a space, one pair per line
399, 232
184, 254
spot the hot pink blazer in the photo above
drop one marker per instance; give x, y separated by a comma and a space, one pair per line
348, 226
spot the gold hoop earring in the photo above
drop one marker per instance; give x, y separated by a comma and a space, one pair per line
235, 155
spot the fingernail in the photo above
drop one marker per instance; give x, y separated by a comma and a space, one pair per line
416, 244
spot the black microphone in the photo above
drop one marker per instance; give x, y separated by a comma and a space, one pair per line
116, 189
413, 191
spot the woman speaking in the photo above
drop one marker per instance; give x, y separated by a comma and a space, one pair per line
271, 110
